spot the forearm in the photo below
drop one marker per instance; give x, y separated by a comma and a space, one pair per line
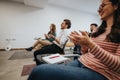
47, 37
56, 40
108, 59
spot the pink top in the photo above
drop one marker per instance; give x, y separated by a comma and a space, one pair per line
104, 59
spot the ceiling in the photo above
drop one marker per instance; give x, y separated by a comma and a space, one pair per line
90, 6
84, 5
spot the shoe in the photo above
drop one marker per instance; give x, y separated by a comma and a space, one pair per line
29, 49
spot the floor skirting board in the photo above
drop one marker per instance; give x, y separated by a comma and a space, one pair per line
13, 49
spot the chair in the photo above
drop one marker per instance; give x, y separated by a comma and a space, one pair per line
72, 52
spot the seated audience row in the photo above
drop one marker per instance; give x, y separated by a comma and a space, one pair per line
57, 45
101, 61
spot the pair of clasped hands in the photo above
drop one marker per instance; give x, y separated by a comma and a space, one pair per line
49, 36
81, 38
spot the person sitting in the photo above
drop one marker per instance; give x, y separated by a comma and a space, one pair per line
101, 62
93, 28
43, 42
58, 43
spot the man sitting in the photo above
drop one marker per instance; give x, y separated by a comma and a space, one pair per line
58, 43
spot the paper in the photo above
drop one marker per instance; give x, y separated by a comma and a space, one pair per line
55, 58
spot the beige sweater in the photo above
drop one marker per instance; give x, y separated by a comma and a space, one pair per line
104, 58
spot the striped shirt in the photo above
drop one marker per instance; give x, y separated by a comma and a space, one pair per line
104, 58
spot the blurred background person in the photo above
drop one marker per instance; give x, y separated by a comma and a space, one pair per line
43, 42
93, 28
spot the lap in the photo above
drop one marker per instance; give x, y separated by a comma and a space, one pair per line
62, 72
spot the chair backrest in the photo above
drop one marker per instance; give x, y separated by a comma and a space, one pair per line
64, 45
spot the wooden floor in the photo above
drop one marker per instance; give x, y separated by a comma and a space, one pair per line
11, 69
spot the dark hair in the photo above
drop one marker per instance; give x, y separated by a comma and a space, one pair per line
114, 35
94, 24
67, 22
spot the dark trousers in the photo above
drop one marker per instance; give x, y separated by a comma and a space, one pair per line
49, 49
77, 50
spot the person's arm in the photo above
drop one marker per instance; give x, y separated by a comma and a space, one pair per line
46, 36
62, 39
57, 40
107, 58
49, 37
112, 61
54, 34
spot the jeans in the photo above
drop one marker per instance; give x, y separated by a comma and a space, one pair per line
71, 71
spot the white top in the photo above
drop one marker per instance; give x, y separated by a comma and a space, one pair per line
63, 37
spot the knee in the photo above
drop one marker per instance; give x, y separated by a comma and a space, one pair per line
43, 68
34, 74
39, 70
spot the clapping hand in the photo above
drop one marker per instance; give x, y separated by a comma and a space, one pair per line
81, 38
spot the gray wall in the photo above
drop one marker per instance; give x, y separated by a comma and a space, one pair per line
21, 24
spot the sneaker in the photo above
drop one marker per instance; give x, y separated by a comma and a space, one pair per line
29, 49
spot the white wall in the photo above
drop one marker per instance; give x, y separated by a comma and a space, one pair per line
22, 23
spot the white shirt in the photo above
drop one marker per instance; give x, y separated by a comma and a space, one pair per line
63, 37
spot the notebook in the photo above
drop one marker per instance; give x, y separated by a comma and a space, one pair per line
55, 58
